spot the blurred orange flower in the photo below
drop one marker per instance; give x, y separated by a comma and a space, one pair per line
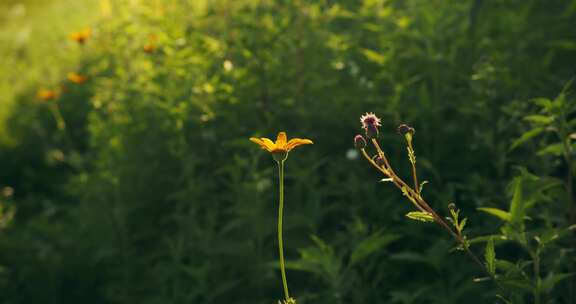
81, 36
150, 47
77, 78
47, 95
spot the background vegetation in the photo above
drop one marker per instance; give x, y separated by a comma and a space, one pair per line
151, 192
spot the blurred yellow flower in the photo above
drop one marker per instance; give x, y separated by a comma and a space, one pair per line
81, 36
77, 78
281, 145
227, 65
403, 22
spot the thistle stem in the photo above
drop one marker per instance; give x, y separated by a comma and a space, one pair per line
413, 163
280, 241
423, 206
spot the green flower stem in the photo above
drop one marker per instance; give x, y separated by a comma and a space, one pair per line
280, 215
57, 116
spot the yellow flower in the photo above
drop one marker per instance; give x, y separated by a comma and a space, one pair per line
281, 145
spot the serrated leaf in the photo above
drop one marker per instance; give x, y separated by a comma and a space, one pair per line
526, 137
501, 214
420, 216
490, 256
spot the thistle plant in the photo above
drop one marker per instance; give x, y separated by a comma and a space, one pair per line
279, 151
453, 224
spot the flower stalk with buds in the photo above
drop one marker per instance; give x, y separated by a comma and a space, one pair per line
425, 213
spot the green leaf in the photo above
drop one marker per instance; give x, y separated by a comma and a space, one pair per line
490, 256
564, 44
540, 119
320, 259
518, 284
517, 203
374, 56
420, 216
370, 245
507, 266
462, 224
554, 149
552, 279
526, 137
503, 299
543, 102
422, 185
483, 239
501, 214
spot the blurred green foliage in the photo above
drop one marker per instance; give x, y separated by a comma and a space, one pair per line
152, 192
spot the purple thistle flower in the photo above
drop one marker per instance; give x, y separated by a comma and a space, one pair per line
370, 124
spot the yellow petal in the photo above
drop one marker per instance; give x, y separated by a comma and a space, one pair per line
295, 142
269, 144
281, 141
264, 143
259, 142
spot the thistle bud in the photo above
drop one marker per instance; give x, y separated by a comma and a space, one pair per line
359, 142
407, 131
380, 161
403, 129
